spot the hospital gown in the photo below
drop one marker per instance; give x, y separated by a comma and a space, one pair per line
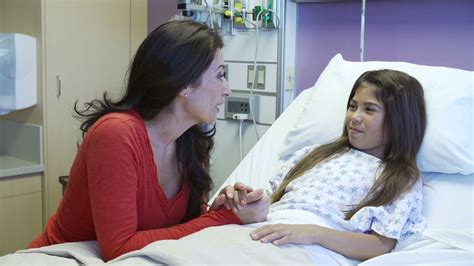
336, 185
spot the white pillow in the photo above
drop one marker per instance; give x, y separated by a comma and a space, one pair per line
448, 201
448, 144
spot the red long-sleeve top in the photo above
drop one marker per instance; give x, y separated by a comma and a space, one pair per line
114, 196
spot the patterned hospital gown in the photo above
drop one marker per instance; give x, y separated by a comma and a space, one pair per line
331, 187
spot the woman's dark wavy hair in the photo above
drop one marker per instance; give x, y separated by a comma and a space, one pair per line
172, 57
405, 122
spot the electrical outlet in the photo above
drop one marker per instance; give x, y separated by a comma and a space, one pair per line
241, 107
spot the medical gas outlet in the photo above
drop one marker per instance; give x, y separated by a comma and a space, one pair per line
241, 107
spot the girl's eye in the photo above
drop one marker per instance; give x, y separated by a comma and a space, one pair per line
370, 109
222, 75
352, 106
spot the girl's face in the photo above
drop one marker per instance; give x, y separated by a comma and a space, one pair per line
365, 123
205, 100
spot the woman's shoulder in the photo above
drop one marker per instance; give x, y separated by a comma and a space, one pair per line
125, 116
119, 120
120, 124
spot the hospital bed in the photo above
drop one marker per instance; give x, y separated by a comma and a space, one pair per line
315, 116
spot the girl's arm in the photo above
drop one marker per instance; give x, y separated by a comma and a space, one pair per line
354, 245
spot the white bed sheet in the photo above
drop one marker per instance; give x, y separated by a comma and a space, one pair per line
447, 241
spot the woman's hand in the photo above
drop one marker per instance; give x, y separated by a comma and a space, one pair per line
256, 211
280, 234
234, 197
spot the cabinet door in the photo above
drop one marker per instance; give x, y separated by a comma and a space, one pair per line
87, 51
20, 212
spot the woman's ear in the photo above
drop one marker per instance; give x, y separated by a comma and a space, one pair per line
184, 92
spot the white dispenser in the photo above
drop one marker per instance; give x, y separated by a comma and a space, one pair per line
18, 81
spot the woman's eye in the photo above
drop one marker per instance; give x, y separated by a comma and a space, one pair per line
222, 75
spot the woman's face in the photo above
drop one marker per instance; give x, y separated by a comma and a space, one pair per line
205, 100
365, 123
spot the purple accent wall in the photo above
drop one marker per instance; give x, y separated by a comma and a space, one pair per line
435, 32
160, 11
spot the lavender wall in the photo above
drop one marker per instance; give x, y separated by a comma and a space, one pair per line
434, 32
160, 11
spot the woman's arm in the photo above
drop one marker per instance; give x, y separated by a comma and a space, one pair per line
113, 185
354, 245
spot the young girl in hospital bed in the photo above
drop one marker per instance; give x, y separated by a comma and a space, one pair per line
366, 183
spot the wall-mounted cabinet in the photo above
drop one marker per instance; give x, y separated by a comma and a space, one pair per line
88, 46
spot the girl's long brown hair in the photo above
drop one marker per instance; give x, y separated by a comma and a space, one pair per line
405, 121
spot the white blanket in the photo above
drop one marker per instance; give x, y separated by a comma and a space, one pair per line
434, 247
231, 244
73, 253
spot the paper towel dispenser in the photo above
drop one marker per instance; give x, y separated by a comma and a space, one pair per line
18, 80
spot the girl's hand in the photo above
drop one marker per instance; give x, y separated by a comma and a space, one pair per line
280, 234
256, 211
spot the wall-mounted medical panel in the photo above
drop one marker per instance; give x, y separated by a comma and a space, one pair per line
18, 81
241, 47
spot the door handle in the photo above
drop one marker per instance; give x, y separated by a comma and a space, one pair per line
58, 84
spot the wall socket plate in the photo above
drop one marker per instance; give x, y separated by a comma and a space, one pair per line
241, 107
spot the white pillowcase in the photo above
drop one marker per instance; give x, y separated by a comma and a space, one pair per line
448, 201
448, 144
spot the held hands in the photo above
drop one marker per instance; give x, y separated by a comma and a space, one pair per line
234, 197
280, 234
249, 205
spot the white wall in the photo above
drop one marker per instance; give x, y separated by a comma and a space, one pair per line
226, 155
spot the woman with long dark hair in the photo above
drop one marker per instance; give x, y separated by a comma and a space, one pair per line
141, 173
